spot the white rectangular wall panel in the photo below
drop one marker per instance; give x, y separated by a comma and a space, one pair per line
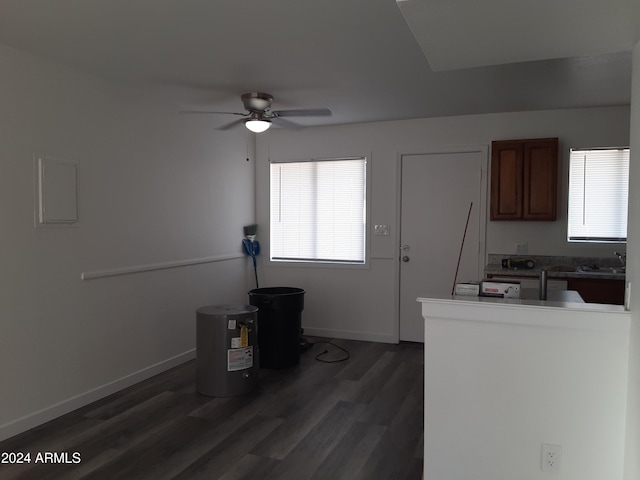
57, 191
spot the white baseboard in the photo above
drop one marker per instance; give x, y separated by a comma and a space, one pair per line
54, 411
350, 335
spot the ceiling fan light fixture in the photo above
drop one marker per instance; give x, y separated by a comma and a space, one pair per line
258, 115
258, 125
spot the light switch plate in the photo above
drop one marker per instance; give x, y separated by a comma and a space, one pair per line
381, 230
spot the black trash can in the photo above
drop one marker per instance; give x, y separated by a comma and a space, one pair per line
280, 320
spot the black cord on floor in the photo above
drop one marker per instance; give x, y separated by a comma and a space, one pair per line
347, 357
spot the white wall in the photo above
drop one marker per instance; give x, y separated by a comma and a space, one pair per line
632, 459
502, 380
154, 187
362, 303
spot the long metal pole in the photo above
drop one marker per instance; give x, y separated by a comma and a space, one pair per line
455, 278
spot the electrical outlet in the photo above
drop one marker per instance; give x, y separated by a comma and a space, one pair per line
522, 248
551, 457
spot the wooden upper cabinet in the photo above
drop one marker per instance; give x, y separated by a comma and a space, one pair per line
540, 179
507, 167
524, 179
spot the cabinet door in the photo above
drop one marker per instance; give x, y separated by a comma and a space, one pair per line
593, 290
540, 179
506, 180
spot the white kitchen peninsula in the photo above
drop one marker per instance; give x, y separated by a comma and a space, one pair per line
504, 377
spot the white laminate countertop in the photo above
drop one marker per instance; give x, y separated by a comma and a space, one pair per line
568, 299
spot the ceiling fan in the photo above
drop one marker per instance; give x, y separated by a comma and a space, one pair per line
259, 115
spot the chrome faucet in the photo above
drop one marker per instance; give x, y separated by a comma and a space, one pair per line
622, 257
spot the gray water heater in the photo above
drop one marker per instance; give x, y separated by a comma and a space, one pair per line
227, 354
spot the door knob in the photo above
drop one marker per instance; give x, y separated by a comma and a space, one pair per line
405, 259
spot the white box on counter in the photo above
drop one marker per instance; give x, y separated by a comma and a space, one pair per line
469, 289
504, 289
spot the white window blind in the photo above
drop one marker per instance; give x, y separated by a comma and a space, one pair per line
318, 210
598, 195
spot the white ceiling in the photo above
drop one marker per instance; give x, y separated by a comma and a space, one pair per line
508, 31
359, 58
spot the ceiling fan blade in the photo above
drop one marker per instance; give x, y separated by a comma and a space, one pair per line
229, 126
315, 112
213, 112
281, 122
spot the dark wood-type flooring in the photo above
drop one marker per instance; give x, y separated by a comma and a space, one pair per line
359, 419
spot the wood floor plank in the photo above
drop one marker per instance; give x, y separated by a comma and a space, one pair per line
374, 379
394, 455
411, 409
361, 419
225, 455
161, 455
351, 454
49, 436
221, 408
171, 380
128, 428
385, 405
318, 444
250, 467
359, 364
299, 416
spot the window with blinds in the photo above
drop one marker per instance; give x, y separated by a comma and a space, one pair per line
598, 195
318, 210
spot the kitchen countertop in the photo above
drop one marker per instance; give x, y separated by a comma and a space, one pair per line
555, 298
558, 271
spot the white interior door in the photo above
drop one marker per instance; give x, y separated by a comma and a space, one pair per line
437, 191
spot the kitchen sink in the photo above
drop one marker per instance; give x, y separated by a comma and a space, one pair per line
595, 270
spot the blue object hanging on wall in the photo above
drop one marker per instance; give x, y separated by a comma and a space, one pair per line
252, 248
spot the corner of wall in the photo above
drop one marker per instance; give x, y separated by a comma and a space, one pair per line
632, 460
